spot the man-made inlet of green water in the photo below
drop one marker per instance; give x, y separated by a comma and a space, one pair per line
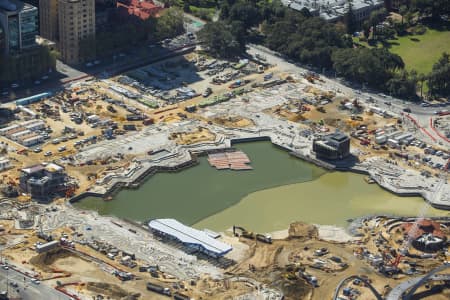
280, 189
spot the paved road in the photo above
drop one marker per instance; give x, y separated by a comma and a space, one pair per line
397, 105
413, 283
26, 289
385, 102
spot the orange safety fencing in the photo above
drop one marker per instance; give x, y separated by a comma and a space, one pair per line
437, 131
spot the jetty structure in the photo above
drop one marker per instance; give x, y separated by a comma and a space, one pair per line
236, 160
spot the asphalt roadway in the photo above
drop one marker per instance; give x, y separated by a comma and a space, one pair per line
395, 105
27, 290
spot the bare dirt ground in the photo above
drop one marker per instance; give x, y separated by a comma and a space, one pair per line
193, 137
233, 121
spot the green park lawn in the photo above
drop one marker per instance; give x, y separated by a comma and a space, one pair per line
420, 52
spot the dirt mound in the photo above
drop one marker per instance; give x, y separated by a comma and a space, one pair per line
110, 290
293, 289
233, 121
300, 230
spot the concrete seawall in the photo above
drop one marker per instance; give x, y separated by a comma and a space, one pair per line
351, 165
114, 189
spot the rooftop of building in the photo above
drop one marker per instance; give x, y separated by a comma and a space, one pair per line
189, 235
33, 169
140, 8
329, 9
338, 136
49, 167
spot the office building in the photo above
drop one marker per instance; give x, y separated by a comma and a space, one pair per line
76, 21
67, 22
332, 146
48, 19
19, 26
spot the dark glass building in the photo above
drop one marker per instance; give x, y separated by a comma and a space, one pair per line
19, 23
332, 146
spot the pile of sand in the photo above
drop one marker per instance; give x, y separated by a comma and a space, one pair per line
301, 230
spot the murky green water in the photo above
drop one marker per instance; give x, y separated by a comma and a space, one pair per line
279, 190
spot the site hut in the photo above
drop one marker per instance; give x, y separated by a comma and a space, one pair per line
47, 246
332, 146
191, 238
5, 163
33, 140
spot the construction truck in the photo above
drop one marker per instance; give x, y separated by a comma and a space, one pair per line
321, 109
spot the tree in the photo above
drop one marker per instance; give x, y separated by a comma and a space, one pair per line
403, 84
170, 23
349, 18
246, 13
308, 40
224, 10
374, 66
421, 79
439, 78
376, 17
403, 10
218, 39
237, 29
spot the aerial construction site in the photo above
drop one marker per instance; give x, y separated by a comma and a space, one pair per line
101, 135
